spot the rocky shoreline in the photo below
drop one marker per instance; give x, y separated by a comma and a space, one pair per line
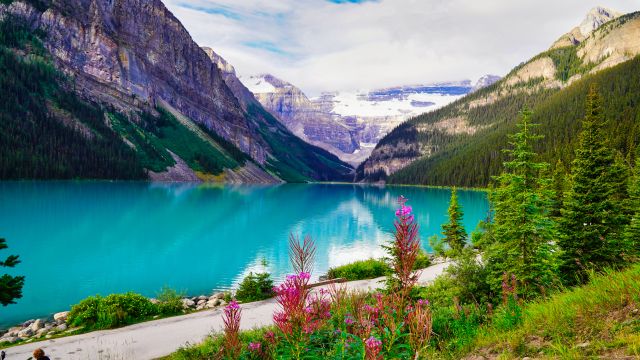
56, 325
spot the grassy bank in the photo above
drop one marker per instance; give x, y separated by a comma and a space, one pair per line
598, 320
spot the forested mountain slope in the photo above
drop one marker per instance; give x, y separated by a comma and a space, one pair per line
118, 89
459, 144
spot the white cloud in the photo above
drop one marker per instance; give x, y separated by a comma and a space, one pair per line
322, 46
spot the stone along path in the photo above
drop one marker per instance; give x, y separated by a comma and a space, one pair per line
153, 339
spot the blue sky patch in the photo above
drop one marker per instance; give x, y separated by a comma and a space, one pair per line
266, 46
215, 10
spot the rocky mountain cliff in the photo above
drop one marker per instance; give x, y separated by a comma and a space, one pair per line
350, 124
134, 56
417, 148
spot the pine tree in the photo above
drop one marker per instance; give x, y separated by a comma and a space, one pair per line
10, 286
522, 230
593, 213
632, 231
454, 233
559, 185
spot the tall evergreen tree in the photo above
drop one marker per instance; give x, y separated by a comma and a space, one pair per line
522, 230
592, 215
559, 185
454, 233
632, 232
10, 286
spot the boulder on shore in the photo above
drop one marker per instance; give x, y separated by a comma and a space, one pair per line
61, 316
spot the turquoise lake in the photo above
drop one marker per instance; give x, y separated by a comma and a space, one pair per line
77, 239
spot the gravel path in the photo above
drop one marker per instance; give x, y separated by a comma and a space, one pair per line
153, 339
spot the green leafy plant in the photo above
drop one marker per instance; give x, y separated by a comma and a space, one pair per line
10, 286
358, 270
255, 287
170, 301
115, 310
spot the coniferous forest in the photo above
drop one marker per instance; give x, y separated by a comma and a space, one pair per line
473, 160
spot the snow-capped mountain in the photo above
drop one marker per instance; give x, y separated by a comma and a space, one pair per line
350, 124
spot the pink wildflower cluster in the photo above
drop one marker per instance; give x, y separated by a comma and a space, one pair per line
419, 320
292, 296
406, 248
372, 347
231, 318
317, 311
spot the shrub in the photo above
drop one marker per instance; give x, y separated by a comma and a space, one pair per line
423, 260
115, 310
255, 287
85, 313
364, 269
170, 301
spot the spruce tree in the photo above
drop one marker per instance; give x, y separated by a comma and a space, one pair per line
593, 212
454, 233
522, 230
10, 286
632, 232
559, 185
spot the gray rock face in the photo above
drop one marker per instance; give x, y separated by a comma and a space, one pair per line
595, 18
485, 81
136, 53
303, 117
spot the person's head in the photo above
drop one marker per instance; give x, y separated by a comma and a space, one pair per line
38, 353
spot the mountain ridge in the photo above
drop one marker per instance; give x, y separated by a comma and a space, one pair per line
133, 56
349, 124
493, 109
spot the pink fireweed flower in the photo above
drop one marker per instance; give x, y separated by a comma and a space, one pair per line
420, 324
406, 248
255, 346
372, 347
270, 337
349, 321
231, 319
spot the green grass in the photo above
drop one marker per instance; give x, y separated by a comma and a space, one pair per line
363, 269
154, 136
598, 320
371, 268
601, 318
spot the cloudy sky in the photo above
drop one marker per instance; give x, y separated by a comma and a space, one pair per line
327, 45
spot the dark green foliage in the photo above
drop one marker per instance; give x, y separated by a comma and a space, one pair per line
373, 268
155, 135
255, 287
567, 62
170, 302
423, 260
10, 286
457, 327
632, 231
454, 233
231, 149
33, 140
295, 160
522, 231
559, 186
472, 160
115, 310
358, 270
593, 215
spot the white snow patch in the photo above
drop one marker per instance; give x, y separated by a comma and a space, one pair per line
258, 85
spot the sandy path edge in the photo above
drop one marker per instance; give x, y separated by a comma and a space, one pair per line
153, 339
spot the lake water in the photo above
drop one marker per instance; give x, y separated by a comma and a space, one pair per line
77, 239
